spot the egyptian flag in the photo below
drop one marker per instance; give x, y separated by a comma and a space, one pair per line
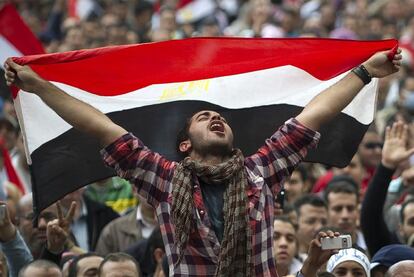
16, 39
195, 10
9, 168
81, 9
150, 89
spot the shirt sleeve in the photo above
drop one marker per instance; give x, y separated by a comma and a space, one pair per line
283, 151
135, 162
17, 254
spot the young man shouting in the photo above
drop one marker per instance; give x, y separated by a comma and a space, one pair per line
215, 208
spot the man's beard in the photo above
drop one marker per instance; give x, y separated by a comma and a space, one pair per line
214, 149
36, 246
33, 242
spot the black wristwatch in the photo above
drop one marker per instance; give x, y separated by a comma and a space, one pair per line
363, 74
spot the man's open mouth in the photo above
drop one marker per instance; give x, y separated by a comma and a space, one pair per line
217, 126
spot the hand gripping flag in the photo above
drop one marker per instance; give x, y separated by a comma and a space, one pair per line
150, 89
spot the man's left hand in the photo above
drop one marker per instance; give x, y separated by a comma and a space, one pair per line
380, 66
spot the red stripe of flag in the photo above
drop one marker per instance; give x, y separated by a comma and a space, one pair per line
10, 170
121, 69
72, 8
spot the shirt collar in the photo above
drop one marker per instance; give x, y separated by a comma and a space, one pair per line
141, 219
84, 211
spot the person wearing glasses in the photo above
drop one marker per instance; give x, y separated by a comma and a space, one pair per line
370, 155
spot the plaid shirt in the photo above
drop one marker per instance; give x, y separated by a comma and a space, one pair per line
265, 170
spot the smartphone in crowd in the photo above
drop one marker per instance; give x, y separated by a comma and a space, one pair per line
280, 198
341, 242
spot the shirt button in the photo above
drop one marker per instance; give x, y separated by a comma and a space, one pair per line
201, 212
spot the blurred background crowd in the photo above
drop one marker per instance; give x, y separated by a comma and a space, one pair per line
110, 227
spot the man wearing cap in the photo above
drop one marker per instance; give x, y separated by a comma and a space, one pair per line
388, 256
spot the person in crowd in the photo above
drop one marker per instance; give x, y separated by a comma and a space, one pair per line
65, 262
342, 198
40, 268
114, 192
168, 22
141, 19
119, 265
285, 245
36, 238
207, 143
58, 236
369, 152
122, 232
85, 265
402, 269
289, 211
400, 191
8, 139
312, 215
354, 169
12, 245
349, 262
295, 185
149, 253
388, 256
4, 268
372, 221
89, 219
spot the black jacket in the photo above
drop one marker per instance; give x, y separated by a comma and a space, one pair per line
98, 215
373, 225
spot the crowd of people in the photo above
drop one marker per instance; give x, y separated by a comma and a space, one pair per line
107, 229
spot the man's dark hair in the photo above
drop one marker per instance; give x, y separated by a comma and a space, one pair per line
288, 208
310, 199
403, 206
44, 264
5, 123
302, 171
183, 134
286, 219
119, 257
341, 184
73, 267
142, 6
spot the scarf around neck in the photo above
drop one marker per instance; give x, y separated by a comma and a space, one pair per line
235, 250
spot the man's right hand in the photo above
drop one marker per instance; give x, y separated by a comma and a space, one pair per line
58, 230
21, 76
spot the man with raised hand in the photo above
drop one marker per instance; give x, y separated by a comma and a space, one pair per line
215, 207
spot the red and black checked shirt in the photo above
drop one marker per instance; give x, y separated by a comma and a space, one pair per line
265, 170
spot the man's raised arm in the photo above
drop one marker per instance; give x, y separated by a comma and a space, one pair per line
80, 115
334, 99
